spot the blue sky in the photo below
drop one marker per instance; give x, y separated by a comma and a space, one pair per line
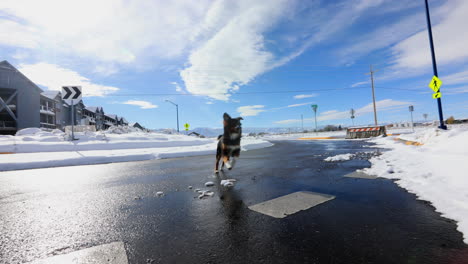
266, 61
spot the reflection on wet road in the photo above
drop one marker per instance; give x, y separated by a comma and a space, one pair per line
48, 212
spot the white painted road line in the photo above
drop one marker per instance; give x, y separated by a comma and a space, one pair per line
112, 253
290, 204
361, 175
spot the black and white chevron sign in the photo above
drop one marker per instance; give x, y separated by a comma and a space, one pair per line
70, 93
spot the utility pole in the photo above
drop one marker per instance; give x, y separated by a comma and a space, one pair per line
352, 115
373, 93
434, 66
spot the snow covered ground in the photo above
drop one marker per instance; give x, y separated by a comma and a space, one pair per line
35, 148
436, 171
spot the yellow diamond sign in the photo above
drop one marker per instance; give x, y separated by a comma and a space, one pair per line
436, 95
435, 84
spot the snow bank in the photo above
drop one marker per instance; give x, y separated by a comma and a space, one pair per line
40, 149
436, 172
36, 140
340, 157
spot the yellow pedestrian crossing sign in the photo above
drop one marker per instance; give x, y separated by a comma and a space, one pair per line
435, 84
436, 95
186, 126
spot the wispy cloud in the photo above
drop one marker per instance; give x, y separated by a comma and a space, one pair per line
250, 110
141, 104
296, 105
359, 84
302, 96
53, 77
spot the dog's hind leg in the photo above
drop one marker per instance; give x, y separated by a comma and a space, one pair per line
217, 163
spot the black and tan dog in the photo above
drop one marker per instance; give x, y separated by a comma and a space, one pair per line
229, 142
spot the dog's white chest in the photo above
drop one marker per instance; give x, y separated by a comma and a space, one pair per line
234, 136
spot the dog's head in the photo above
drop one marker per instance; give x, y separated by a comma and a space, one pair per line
232, 125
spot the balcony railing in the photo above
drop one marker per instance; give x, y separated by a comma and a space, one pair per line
7, 124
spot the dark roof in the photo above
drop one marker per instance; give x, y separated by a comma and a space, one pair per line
50, 94
6, 65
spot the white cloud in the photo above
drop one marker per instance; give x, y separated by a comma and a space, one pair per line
54, 77
141, 104
238, 50
209, 103
106, 69
302, 96
250, 110
106, 30
413, 54
236, 53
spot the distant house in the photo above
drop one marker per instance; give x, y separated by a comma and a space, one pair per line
109, 120
136, 125
123, 122
19, 100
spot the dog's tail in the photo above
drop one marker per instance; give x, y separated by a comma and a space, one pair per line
220, 136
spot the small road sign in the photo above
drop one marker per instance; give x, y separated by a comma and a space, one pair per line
187, 126
314, 107
436, 95
435, 84
71, 94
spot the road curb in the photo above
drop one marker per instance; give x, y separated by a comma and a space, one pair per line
409, 142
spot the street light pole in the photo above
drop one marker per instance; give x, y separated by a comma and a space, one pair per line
177, 112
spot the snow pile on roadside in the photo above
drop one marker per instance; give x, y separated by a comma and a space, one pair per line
436, 172
40, 149
340, 157
36, 140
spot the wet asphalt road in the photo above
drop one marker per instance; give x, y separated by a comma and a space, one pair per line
47, 212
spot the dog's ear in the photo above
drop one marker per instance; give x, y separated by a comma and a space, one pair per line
226, 116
